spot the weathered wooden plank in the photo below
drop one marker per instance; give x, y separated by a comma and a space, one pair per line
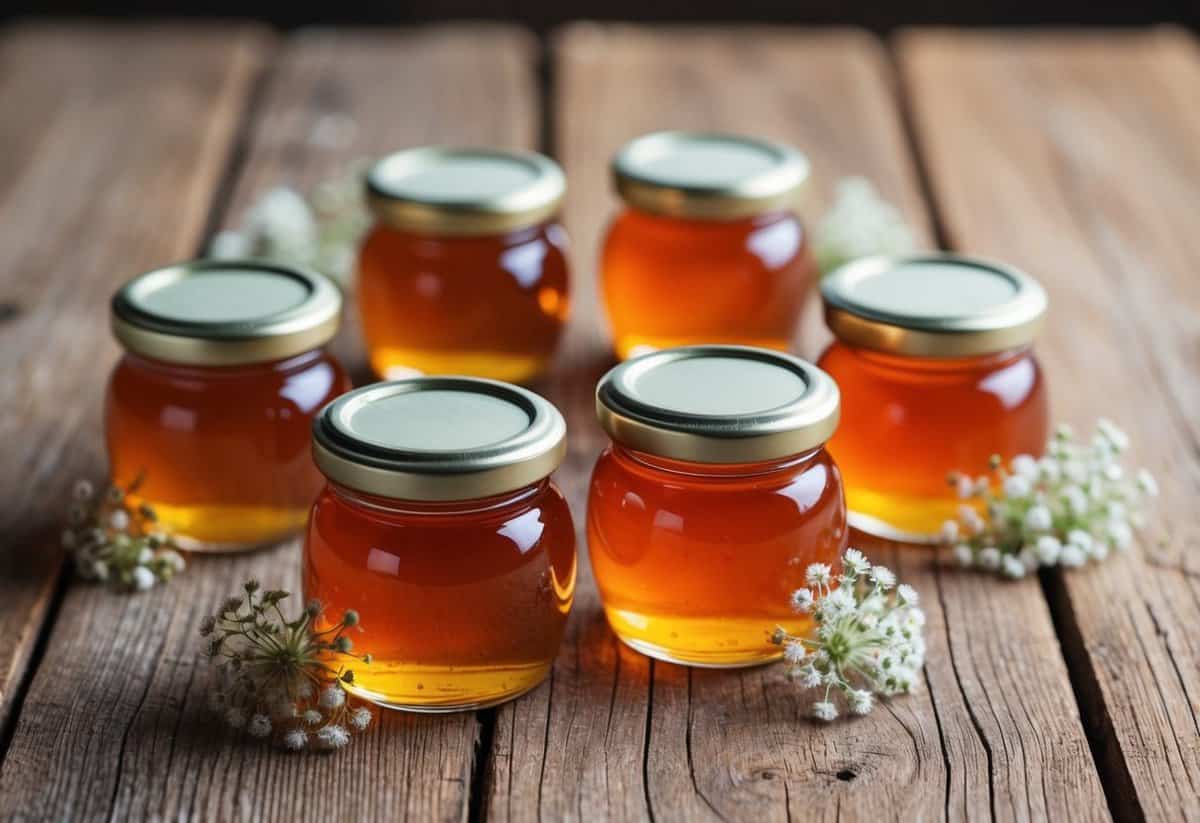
616, 736
118, 703
1075, 158
113, 144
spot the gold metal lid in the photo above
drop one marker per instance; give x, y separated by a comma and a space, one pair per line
459, 191
439, 438
225, 312
708, 176
933, 305
718, 404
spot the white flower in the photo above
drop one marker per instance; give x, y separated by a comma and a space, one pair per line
824, 710
1146, 483
860, 223
312, 717
802, 601
1025, 465
333, 736
1076, 500
883, 577
836, 603
173, 559
143, 579
295, 739
1017, 486
145, 556
855, 563
970, 520
260, 726
360, 718
1072, 556
810, 678
794, 652
817, 574
119, 520
1080, 539
964, 554
964, 486
861, 701
1038, 518
949, 531
1120, 535
1050, 470
1012, 567
907, 595
1048, 549
1110, 432
331, 697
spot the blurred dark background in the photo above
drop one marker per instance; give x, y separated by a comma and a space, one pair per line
542, 14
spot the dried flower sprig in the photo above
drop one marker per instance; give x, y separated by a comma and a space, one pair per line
860, 224
283, 679
116, 542
321, 231
1072, 506
868, 639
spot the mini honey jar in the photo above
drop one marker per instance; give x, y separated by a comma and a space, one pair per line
441, 527
714, 497
709, 249
465, 269
208, 411
933, 356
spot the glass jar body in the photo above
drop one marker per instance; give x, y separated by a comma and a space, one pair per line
696, 563
223, 452
487, 306
671, 281
462, 605
907, 422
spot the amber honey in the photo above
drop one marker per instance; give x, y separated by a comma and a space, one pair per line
696, 563
908, 422
708, 249
671, 281
465, 270
440, 527
492, 306
713, 500
211, 406
463, 604
934, 360
224, 451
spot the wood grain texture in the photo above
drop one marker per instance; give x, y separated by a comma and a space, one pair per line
117, 708
87, 201
1076, 159
615, 736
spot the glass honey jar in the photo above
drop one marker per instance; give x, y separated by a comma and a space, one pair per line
441, 527
465, 269
933, 356
709, 249
208, 411
713, 499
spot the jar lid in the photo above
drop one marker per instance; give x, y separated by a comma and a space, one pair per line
225, 312
718, 404
708, 176
933, 305
441, 190
438, 438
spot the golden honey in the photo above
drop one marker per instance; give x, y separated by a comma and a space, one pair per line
708, 249
713, 500
210, 409
465, 270
937, 374
439, 525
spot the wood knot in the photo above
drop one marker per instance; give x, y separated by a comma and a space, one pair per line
846, 775
8, 311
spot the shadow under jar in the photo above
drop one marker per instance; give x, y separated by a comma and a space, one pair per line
210, 408
440, 526
715, 496
709, 249
933, 354
465, 269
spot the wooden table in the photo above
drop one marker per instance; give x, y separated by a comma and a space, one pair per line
1075, 156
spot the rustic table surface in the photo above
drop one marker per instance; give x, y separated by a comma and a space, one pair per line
1075, 156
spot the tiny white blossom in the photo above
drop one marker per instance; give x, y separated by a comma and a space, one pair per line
1026, 466
333, 736
1072, 556
802, 601
260, 726
855, 563
119, 520
312, 717
1048, 549
907, 595
173, 559
810, 678
964, 486
1120, 535
143, 579
295, 739
964, 554
1080, 538
1114, 435
989, 557
817, 574
883, 576
950, 531
861, 701
145, 556
1016, 486
331, 697
1039, 518
1012, 567
360, 718
824, 710
1146, 483
794, 653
